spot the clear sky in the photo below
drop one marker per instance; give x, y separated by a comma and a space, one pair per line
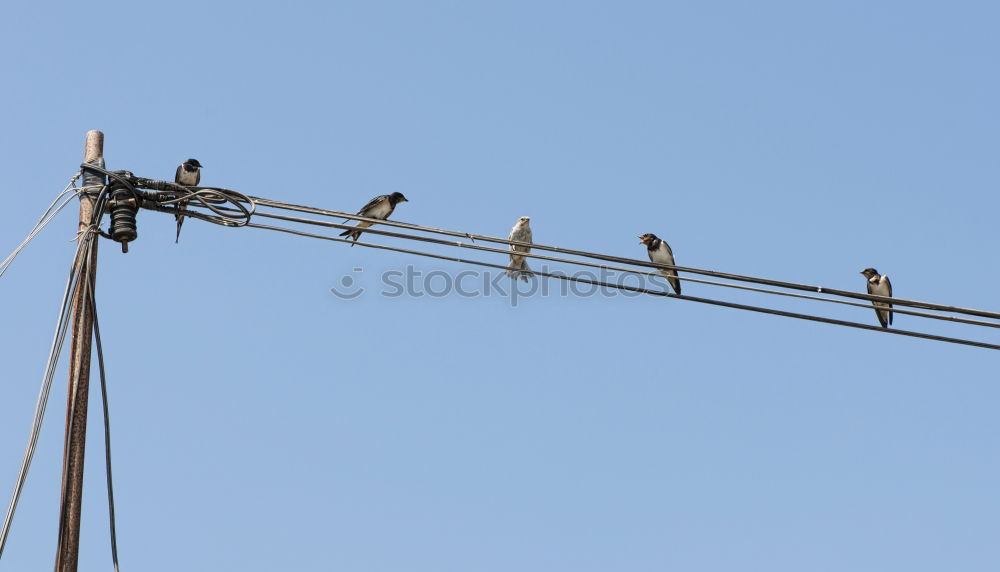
260, 423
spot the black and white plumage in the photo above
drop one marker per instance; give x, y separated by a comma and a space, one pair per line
188, 174
660, 253
879, 285
518, 264
380, 207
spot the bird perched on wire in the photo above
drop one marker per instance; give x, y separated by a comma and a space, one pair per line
660, 253
380, 207
188, 174
518, 264
879, 286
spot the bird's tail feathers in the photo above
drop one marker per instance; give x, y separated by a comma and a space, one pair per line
520, 271
353, 234
675, 282
180, 221
672, 279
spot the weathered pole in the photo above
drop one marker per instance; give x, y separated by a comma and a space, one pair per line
68, 550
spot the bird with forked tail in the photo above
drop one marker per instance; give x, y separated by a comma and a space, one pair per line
380, 207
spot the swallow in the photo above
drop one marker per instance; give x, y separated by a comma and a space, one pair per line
188, 174
659, 253
518, 265
380, 207
879, 286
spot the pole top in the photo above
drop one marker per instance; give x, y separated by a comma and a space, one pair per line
94, 149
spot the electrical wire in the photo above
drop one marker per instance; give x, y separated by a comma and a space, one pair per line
89, 234
829, 294
634, 271
174, 194
62, 325
227, 214
642, 290
50, 213
81, 267
259, 201
107, 427
83, 250
262, 202
622, 269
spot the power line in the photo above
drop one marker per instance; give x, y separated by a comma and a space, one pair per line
896, 301
84, 245
226, 208
621, 260
50, 213
107, 426
622, 269
646, 290
229, 216
80, 268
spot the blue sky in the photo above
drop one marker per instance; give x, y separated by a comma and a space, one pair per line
261, 423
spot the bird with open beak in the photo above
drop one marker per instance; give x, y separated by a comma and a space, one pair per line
659, 253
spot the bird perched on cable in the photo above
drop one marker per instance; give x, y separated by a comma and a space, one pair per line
879, 286
188, 174
518, 264
660, 253
380, 207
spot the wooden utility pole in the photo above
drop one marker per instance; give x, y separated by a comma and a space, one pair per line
68, 551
